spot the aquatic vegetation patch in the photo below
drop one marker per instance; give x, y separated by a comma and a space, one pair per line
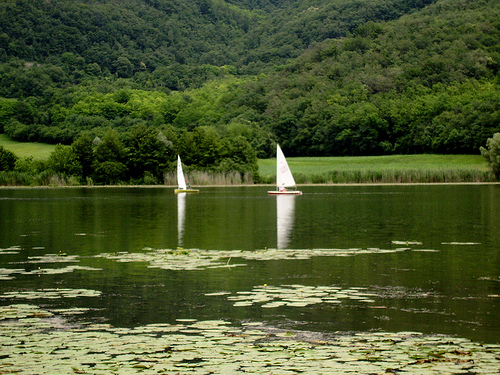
51, 293
175, 259
53, 258
195, 259
407, 243
35, 341
460, 243
299, 295
8, 273
22, 311
10, 250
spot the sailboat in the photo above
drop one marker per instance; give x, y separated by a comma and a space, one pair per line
181, 180
284, 178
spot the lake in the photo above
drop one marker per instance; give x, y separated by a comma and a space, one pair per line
336, 260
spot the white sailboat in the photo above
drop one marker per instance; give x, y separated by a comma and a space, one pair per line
181, 181
284, 177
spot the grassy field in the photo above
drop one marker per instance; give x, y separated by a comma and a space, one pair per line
25, 149
383, 169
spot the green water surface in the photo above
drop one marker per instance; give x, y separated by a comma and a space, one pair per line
339, 259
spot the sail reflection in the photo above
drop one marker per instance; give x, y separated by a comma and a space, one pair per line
181, 216
285, 218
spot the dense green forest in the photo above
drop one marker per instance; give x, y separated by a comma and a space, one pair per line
321, 77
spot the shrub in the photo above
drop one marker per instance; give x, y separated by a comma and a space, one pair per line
492, 153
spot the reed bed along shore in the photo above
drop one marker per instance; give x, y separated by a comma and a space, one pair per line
397, 176
195, 178
204, 178
235, 179
383, 169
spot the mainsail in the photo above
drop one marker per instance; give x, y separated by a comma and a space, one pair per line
284, 176
180, 175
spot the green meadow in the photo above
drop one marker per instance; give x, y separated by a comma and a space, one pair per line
26, 149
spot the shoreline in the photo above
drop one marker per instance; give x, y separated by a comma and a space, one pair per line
247, 185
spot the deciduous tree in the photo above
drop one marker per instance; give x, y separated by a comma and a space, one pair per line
7, 159
492, 153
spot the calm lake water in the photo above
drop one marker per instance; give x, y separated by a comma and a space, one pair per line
399, 258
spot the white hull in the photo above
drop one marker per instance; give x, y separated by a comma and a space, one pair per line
177, 191
288, 192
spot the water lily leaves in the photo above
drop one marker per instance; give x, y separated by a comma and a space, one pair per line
21, 311
298, 296
174, 259
35, 342
407, 243
8, 273
51, 294
195, 259
217, 294
71, 311
53, 258
10, 250
460, 243
68, 269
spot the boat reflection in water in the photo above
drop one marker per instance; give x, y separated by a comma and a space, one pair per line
181, 216
285, 207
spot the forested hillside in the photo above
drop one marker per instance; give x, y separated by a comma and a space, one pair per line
426, 83
322, 77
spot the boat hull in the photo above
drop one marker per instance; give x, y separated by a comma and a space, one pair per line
178, 191
288, 192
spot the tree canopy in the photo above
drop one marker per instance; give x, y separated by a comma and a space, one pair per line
321, 77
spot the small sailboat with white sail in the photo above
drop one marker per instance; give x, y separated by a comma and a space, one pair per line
284, 177
181, 181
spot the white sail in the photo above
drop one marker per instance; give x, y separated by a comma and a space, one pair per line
180, 174
285, 209
284, 176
